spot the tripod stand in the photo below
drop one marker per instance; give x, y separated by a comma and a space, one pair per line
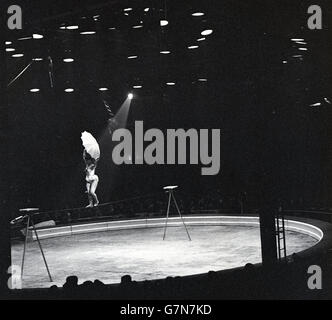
29, 215
170, 190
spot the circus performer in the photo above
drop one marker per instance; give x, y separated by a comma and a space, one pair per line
91, 156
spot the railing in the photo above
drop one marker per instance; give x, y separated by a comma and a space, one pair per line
310, 214
118, 210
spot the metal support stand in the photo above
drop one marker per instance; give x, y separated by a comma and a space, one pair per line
30, 221
170, 190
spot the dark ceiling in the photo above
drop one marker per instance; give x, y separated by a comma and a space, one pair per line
248, 78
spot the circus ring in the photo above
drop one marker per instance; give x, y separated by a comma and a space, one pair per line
110, 249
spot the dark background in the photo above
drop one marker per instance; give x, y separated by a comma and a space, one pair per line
273, 143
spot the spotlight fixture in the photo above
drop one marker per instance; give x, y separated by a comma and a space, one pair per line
68, 60
206, 32
37, 36
72, 27
18, 55
69, 90
130, 96
170, 187
197, 14
87, 32
34, 90
163, 23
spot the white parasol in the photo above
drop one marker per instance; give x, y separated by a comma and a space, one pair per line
91, 145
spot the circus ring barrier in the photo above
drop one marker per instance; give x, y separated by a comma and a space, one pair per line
313, 228
320, 231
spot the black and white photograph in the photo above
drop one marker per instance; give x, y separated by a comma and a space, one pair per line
176, 152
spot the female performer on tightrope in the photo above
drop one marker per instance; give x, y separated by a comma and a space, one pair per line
91, 179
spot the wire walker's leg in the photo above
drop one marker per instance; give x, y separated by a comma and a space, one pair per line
25, 245
41, 250
177, 207
167, 214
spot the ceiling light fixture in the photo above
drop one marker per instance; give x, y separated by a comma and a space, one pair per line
197, 14
87, 32
37, 36
18, 55
318, 104
163, 23
206, 32
72, 27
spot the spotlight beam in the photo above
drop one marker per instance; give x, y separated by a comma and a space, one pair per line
26, 68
